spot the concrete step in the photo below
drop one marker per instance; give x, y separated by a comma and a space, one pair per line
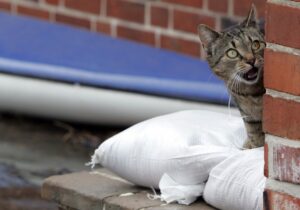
100, 189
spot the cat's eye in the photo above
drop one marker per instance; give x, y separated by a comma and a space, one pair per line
231, 53
256, 45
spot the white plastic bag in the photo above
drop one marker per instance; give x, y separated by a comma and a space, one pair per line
238, 182
184, 194
185, 146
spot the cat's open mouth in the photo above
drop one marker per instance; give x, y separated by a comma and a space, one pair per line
251, 74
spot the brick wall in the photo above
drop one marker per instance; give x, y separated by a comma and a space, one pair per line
282, 105
168, 24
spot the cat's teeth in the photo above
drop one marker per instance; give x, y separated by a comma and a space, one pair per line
251, 74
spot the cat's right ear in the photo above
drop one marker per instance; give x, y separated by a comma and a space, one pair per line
207, 35
251, 19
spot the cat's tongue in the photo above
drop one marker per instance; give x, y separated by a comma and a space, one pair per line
252, 74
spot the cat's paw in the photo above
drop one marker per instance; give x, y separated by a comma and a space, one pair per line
251, 144
248, 145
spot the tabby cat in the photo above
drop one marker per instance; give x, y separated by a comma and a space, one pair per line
236, 56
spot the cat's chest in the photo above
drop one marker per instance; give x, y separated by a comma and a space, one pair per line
250, 106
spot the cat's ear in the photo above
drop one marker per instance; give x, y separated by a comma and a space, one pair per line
207, 35
251, 19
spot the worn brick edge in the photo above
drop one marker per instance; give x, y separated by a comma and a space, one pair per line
272, 141
49, 187
52, 191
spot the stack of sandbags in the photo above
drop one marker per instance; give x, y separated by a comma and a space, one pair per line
174, 153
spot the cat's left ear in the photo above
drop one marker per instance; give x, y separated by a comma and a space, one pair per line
251, 20
207, 35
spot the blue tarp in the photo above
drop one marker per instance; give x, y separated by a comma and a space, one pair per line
39, 49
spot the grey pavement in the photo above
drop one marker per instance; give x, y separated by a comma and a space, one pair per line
100, 189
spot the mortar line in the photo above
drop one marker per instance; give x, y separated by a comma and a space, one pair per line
280, 48
282, 95
283, 187
285, 3
284, 141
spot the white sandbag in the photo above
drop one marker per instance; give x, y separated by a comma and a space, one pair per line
238, 182
184, 145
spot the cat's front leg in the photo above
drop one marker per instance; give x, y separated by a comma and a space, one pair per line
256, 137
254, 143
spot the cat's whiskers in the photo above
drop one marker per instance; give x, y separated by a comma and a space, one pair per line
232, 83
238, 83
236, 87
235, 83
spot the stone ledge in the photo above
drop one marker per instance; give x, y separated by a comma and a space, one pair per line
101, 189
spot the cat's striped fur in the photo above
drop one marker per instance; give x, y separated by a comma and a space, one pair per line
236, 56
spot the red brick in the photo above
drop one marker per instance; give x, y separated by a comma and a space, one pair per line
74, 21
280, 201
180, 45
282, 25
218, 6
53, 2
286, 163
282, 72
136, 35
126, 10
5, 6
159, 16
92, 6
103, 28
191, 3
281, 117
266, 167
33, 12
242, 7
185, 21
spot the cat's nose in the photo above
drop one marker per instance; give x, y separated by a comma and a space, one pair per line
249, 58
251, 61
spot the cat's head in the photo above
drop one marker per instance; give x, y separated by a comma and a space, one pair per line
236, 54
